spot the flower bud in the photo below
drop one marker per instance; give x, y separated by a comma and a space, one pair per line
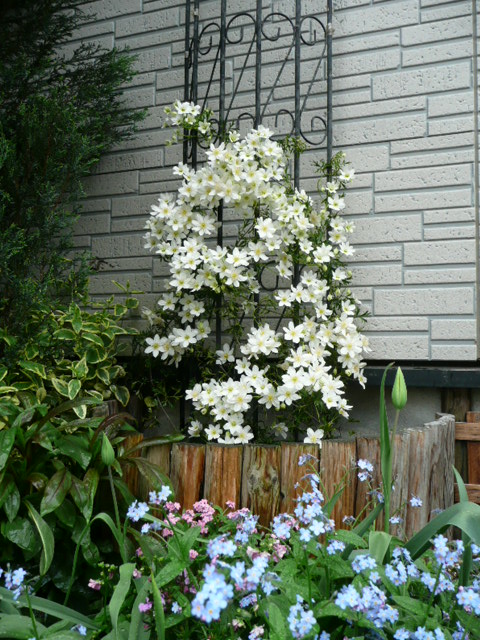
399, 391
107, 453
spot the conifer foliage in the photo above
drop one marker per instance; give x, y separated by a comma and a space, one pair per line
60, 108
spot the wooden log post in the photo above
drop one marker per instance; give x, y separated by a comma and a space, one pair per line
430, 474
458, 402
261, 481
291, 484
187, 473
223, 474
473, 451
337, 465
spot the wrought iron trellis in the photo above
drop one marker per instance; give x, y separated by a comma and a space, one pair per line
252, 36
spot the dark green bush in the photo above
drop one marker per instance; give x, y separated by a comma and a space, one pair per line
58, 113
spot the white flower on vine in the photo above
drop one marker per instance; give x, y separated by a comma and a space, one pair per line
225, 355
293, 332
154, 345
336, 203
346, 175
213, 432
314, 436
195, 428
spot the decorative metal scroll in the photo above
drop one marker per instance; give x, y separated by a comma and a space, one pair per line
283, 59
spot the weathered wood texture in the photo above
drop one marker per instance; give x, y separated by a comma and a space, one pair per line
291, 483
337, 462
430, 474
261, 481
467, 436
187, 470
223, 474
268, 479
457, 402
473, 451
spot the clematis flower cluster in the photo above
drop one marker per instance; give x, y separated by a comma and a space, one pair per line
303, 341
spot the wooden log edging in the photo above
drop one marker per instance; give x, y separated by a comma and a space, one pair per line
467, 434
267, 478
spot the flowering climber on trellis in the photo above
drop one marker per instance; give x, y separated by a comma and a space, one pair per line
290, 346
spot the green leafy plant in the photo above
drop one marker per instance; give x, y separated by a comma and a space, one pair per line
60, 110
206, 572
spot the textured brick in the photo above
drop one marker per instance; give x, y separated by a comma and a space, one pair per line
431, 301
348, 65
441, 126
456, 103
423, 178
437, 275
435, 232
136, 205
452, 141
461, 329
383, 229
382, 17
423, 200
130, 161
104, 283
433, 54
454, 352
458, 8
421, 81
403, 324
436, 253
437, 31
103, 9
405, 347
433, 159
365, 131
376, 254
118, 246
465, 214
147, 22
112, 183
377, 275
93, 224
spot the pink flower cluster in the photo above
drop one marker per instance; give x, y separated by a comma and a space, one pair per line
200, 515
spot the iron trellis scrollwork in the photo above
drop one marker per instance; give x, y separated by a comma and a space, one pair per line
261, 50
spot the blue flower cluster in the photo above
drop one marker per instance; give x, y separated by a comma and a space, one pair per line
371, 602
300, 619
137, 510
213, 597
14, 580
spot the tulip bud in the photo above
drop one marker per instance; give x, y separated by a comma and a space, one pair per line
399, 391
107, 453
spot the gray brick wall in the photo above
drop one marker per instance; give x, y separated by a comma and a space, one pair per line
404, 114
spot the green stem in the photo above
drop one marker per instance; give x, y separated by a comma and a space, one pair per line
74, 565
32, 616
114, 498
387, 489
307, 567
432, 597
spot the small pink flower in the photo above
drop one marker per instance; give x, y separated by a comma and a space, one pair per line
137, 574
193, 554
143, 607
172, 507
139, 552
94, 584
230, 504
